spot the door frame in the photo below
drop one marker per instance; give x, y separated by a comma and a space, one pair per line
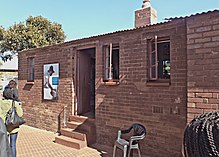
77, 95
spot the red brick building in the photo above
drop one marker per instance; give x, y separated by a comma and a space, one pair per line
160, 75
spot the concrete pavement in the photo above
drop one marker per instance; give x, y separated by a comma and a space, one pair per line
33, 142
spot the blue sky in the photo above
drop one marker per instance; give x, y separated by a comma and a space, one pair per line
84, 18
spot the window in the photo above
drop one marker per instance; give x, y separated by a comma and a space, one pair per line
30, 69
159, 58
111, 62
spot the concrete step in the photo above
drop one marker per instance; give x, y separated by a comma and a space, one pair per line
79, 132
73, 134
78, 126
70, 142
73, 125
77, 118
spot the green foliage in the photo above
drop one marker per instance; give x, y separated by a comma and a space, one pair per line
33, 33
1, 32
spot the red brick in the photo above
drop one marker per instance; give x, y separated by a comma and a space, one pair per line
191, 105
195, 100
206, 106
195, 110
215, 27
215, 38
214, 101
211, 44
216, 95
211, 33
191, 95
204, 95
203, 29
202, 40
194, 36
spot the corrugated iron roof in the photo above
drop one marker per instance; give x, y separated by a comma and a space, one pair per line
119, 31
183, 17
167, 20
126, 30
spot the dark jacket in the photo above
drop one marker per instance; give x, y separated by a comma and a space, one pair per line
9, 93
5, 150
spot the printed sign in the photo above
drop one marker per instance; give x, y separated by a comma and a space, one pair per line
51, 81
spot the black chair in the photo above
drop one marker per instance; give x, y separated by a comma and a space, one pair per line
139, 132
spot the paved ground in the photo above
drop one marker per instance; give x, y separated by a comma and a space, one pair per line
33, 142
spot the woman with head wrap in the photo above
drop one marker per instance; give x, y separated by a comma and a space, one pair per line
5, 106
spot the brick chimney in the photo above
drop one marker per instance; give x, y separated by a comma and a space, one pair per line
146, 15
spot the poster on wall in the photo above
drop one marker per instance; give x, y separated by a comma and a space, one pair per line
51, 81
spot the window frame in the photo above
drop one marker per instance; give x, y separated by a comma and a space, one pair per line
30, 70
155, 65
156, 41
108, 62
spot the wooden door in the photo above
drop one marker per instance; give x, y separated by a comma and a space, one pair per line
84, 70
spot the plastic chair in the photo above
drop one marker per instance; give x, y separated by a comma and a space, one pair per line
139, 133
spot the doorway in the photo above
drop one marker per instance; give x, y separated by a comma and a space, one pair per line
86, 64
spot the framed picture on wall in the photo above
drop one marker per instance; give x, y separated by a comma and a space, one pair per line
50, 81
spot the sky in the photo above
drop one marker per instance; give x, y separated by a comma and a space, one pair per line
85, 18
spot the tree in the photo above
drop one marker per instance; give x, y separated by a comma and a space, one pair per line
35, 32
1, 33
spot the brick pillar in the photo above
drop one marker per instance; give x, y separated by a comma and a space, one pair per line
203, 64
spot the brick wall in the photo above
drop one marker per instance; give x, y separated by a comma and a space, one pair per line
203, 63
162, 109
38, 112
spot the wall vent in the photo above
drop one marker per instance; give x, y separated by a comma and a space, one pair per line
157, 109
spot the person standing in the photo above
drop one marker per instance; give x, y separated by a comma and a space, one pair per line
5, 106
5, 149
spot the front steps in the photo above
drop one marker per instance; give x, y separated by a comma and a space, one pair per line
79, 133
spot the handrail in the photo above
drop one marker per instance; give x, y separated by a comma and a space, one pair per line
59, 120
64, 118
